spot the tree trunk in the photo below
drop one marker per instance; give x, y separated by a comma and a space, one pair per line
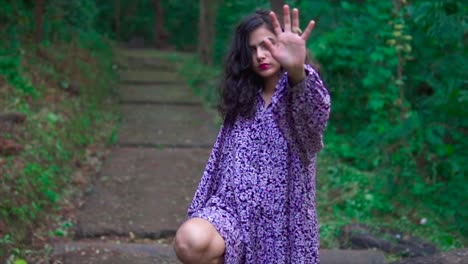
131, 9
277, 7
206, 30
161, 35
39, 11
117, 19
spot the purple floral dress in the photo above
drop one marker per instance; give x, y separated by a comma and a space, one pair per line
258, 187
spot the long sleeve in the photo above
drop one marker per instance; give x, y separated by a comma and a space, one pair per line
302, 113
210, 181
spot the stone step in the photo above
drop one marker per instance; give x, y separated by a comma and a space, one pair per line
153, 65
132, 63
162, 93
159, 64
126, 253
351, 257
150, 77
142, 190
113, 253
154, 54
150, 59
167, 125
454, 256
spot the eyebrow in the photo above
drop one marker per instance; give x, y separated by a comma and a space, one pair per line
262, 42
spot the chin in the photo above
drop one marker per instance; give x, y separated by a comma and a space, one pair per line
268, 73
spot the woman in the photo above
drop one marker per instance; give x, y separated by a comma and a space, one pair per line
256, 200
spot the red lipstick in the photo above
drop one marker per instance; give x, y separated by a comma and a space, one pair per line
264, 66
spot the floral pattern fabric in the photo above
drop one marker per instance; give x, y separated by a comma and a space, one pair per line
258, 187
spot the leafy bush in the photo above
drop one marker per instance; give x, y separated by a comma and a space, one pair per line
396, 75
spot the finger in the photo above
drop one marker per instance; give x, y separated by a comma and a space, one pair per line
286, 19
276, 24
308, 30
295, 21
268, 45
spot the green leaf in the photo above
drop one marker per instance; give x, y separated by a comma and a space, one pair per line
418, 188
20, 261
64, 84
376, 103
377, 57
53, 118
432, 137
60, 232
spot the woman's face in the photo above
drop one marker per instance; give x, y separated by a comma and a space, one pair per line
262, 62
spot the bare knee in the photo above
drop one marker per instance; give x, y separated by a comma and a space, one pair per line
197, 241
191, 235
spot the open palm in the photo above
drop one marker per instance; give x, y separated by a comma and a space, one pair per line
290, 47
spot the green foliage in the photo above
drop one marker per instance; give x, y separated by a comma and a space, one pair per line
35, 79
138, 20
229, 14
62, 230
10, 69
5, 242
183, 33
202, 79
20, 261
14, 21
67, 19
403, 105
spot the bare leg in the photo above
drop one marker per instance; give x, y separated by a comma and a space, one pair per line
198, 242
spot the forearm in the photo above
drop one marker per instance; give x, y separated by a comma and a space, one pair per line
296, 74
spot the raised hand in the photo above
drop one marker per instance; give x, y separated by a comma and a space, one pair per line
290, 47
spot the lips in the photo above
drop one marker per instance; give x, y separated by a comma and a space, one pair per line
264, 66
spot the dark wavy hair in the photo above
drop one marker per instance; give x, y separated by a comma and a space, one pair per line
240, 84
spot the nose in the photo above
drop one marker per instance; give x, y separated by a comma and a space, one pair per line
261, 53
